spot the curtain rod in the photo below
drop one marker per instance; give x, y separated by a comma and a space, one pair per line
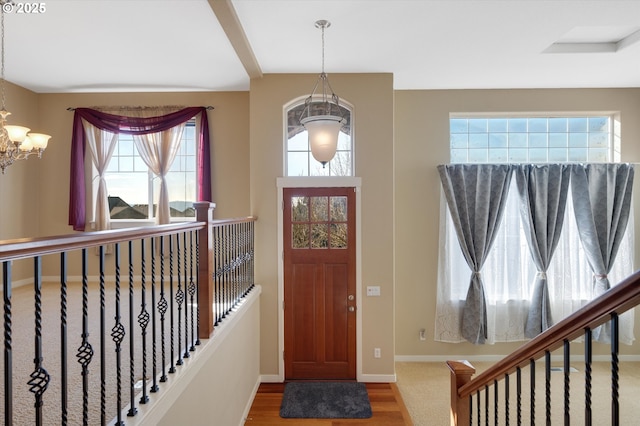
132, 108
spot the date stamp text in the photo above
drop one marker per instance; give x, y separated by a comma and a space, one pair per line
28, 8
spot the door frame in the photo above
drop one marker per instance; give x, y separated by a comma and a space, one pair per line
319, 182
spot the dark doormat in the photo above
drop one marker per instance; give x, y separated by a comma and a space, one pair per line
325, 400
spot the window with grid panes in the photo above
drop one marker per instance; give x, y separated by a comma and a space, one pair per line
133, 187
543, 139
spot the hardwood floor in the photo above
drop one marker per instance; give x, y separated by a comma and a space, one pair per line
386, 404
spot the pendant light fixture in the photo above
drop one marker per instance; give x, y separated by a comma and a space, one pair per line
321, 116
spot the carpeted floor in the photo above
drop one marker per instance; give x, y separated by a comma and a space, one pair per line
425, 389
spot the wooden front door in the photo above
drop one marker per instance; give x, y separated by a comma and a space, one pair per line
319, 283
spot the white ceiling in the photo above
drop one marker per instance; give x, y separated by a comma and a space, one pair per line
180, 45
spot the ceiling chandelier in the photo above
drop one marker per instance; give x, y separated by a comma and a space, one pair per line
15, 143
321, 116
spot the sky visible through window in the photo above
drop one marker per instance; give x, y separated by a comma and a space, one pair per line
530, 139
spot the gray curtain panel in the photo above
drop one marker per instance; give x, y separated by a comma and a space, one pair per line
543, 194
601, 200
476, 195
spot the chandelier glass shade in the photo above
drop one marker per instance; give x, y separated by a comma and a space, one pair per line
322, 117
16, 143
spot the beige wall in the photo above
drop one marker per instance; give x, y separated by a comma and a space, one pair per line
372, 97
421, 143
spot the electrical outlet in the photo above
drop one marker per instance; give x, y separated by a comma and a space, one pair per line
376, 353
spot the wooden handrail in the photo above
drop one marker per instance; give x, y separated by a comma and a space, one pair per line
618, 299
29, 247
218, 222
23, 248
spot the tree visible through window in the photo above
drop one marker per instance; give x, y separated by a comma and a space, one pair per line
133, 187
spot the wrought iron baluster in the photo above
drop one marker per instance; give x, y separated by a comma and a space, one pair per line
103, 357
85, 351
132, 380
519, 396
192, 288
547, 380
8, 342
532, 397
225, 276
506, 399
252, 256
486, 405
588, 358
478, 398
495, 402
615, 368
470, 410
39, 377
245, 251
217, 274
567, 391
64, 379
143, 321
154, 375
172, 368
236, 263
186, 289
179, 300
162, 308
117, 335
197, 289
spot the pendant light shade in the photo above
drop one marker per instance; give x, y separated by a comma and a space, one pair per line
323, 136
321, 116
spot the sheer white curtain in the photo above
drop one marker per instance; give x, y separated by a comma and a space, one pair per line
158, 150
101, 144
509, 272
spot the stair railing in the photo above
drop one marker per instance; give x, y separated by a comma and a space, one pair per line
605, 309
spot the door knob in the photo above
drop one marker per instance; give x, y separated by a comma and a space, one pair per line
352, 308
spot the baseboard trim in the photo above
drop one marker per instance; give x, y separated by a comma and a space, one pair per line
245, 414
271, 378
496, 358
365, 378
377, 378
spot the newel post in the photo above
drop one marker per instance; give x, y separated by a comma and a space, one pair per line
461, 372
204, 213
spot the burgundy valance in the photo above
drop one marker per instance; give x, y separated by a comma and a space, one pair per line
132, 126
